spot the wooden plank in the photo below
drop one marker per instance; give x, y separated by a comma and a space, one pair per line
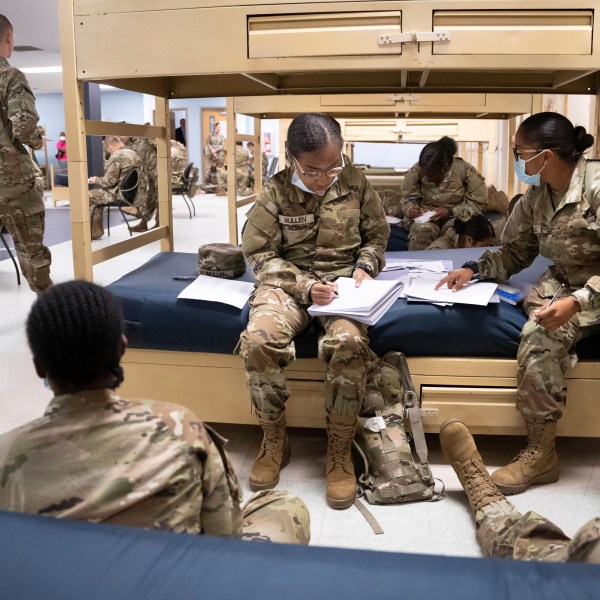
123, 129
130, 244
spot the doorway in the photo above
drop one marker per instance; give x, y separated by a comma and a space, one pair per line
210, 117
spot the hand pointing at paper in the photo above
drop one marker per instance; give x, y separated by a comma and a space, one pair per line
456, 279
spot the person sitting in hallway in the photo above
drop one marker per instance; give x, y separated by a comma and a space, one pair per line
97, 457
501, 530
477, 232
445, 184
121, 163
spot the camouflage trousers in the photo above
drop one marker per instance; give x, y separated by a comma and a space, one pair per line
267, 347
242, 180
544, 356
22, 213
503, 532
421, 235
150, 203
275, 516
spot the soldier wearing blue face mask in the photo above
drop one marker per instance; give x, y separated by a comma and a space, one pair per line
559, 218
316, 220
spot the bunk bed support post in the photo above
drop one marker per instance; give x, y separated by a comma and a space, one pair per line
231, 187
76, 134
163, 166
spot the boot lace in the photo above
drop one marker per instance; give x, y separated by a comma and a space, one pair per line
528, 453
269, 436
340, 442
477, 483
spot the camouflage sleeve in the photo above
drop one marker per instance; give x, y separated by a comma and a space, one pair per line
476, 194
221, 144
589, 296
374, 230
113, 174
260, 244
520, 245
411, 188
22, 113
220, 513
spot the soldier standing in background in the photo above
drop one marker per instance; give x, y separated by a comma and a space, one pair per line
121, 163
152, 464
320, 215
215, 147
265, 164
22, 209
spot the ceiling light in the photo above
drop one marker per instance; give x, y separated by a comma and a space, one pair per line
41, 69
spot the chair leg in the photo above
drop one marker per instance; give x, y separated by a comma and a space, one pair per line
193, 205
12, 258
187, 204
126, 221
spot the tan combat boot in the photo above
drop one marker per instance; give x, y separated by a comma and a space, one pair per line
98, 224
536, 464
461, 452
341, 481
274, 452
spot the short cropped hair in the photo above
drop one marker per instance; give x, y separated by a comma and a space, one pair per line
75, 332
5, 26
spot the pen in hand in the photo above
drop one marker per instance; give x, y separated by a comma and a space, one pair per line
553, 298
323, 281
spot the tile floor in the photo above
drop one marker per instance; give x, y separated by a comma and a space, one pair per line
443, 527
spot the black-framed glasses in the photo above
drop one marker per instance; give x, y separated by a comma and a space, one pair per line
316, 174
517, 153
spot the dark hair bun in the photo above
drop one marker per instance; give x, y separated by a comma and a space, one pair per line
583, 140
449, 145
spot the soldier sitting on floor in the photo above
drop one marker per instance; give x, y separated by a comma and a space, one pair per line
97, 457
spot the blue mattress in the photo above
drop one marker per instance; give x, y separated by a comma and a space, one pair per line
156, 319
51, 559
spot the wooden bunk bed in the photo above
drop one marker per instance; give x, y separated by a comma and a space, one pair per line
432, 48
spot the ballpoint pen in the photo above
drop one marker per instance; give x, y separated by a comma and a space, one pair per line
184, 277
323, 281
555, 296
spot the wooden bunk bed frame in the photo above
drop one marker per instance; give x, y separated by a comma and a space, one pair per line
473, 48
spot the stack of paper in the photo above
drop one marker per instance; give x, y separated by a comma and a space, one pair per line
366, 303
480, 293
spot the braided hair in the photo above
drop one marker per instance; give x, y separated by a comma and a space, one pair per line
477, 227
551, 130
437, 156
75, 332
309, 132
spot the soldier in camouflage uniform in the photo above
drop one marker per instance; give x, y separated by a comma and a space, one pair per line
211, 180
242, 171
320, 215
502, 531
558, 217
97, 457
146, 150
265, 164
179, 162
121, 163
442, 183
22, 209
215, 147
221, 189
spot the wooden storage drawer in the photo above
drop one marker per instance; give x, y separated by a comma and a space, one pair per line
503, 32
322, 34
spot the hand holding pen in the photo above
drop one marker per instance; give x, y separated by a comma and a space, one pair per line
415, 209
322, 292
555, 314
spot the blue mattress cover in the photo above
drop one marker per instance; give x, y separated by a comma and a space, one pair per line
156, 319
50, 559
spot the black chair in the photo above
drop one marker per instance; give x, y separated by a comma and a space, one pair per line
128, 188
2, 232
183, 189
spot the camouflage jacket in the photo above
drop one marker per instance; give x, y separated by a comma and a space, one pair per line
94, 456
290, 231
119, 165
463, 190
146, 150
569, 235
215, 143
18, 126
179, 162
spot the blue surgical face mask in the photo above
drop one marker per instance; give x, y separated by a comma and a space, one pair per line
528, 179
300, 184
